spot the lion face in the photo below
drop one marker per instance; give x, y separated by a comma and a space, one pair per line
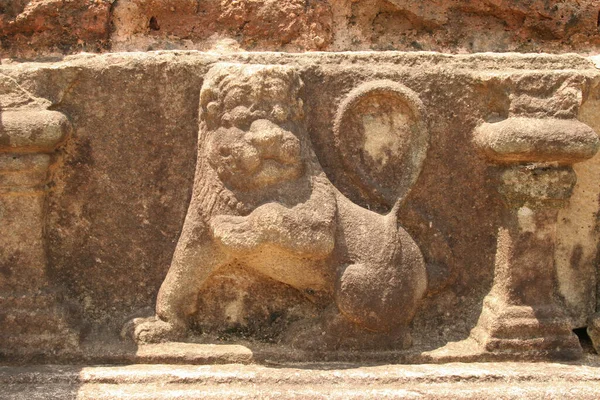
254, 124
262, 155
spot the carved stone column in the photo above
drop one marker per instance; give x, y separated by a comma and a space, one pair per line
31, 319
522, 314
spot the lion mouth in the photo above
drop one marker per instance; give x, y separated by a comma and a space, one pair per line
273, 171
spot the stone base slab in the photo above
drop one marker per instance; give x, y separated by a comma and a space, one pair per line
314, 381
180, 353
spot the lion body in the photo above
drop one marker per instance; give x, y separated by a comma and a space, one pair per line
262, 200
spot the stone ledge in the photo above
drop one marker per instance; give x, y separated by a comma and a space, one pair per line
324, 380
244, 352
420, 59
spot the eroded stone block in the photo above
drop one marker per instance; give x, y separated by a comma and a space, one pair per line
391, 207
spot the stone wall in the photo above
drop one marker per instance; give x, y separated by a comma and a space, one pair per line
33, 28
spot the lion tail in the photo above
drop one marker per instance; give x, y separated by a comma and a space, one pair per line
392, 216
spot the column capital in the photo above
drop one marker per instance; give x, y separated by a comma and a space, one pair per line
32, 130
518, 140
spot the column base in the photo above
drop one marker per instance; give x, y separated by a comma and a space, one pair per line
34, 324
541, 332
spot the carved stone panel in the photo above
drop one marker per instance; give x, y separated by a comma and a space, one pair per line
262, 202
297, 207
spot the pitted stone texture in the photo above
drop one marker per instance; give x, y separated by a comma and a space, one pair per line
30, 28
315, 381
488, 25
250, 24
40, 27
262, 202
124, 181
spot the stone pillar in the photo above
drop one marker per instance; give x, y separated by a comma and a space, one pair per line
31, 319
523, 315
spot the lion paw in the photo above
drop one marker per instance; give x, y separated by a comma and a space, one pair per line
235, 232
152, 330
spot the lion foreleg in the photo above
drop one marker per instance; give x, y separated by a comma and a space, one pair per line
192, 264
307, 229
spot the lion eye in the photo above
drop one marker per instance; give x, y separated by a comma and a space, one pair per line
224, 152
279, 113
226, 120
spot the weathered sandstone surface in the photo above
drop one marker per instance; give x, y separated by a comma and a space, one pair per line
121, 181
30, 28
315, 186
450, 381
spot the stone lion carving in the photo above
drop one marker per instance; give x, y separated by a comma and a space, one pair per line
262, 200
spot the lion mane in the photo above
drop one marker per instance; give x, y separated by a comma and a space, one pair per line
223, 89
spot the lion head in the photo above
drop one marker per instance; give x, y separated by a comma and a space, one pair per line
252, 118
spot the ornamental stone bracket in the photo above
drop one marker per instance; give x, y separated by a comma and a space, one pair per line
532, 158
32, 321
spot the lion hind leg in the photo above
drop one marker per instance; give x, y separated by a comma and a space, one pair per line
375, 296
358, 296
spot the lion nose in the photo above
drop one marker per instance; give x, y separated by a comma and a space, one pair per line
265, 134
274, 142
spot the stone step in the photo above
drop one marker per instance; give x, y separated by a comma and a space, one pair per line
428, 391
313, 381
